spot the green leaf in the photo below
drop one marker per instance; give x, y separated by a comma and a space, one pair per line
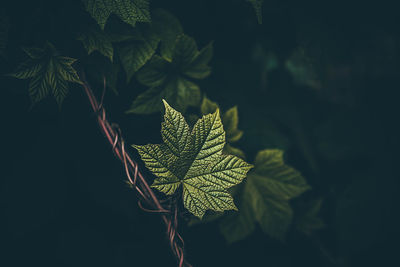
94, 39
257, 5
193, 160
208, 106
130, 11
228, 149
173, 77
49, 73
239, 225
149, 102
230, 119
265, 198
168, 28
135, 53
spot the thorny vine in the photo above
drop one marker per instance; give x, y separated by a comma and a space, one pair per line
135, 178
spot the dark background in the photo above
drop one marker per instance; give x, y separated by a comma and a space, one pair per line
63, 198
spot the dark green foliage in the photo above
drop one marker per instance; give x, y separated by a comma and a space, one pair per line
171, 78
309, 220
94, 39
49, 73
315, 82
130, 11
264, 198
136, 50
230, 119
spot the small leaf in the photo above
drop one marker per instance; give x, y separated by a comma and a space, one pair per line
208, 106
193, 159
230, 119
94, 39
49, 73
130, 11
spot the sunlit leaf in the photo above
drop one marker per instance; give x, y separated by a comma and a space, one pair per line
192, 159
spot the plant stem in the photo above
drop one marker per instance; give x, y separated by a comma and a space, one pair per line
135, 177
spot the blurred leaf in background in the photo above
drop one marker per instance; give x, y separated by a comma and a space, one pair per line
264, 198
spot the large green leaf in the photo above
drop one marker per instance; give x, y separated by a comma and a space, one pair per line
49, 73
265, 198
173, 77
193, 160
130, 11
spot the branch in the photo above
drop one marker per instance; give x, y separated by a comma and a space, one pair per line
135, 178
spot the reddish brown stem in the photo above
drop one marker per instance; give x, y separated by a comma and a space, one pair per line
138, 182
